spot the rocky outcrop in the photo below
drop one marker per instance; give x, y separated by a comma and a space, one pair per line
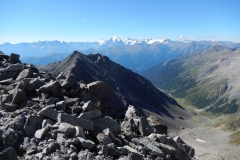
41, 118
127, 88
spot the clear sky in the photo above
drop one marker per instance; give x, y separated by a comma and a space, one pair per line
91, 20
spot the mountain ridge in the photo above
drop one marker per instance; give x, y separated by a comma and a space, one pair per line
129, 87
208, 79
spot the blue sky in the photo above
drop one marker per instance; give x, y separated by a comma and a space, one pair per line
91, 20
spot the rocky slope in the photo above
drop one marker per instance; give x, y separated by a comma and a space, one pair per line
46, 118
129, 87
208, 80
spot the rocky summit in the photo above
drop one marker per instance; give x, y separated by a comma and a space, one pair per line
42, 117
129, 88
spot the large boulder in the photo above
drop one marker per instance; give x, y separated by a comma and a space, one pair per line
10, 107
51, 87
143, 126
66, 128
49, 113
32, 124
90, 115
69, 82
104, 139
134, 123
14, 58
34, 84
157, 124
89, 106
26, 73
41, 132
132, 112
18, 122
150, 145
83, 123
190, 151
100, 89
88, 144
9, 138
13, 67
107, 122
129, 128
8, 154
112, 150
19, 94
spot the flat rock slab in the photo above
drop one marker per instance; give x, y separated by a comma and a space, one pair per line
66, 128
88, 144
41, 132
31, 125
50, 87
83, 123
34, 84
50, 113
26, 73
150, 144
13, 67
107, 122
90, 115
112, 150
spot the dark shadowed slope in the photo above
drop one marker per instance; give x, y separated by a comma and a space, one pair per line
209, 80
130, 88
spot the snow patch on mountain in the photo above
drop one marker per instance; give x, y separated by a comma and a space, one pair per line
101, 41
155, 41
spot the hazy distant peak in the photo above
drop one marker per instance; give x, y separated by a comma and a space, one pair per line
101, 41
155, 40
115, 39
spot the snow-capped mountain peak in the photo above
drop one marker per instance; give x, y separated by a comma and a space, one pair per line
101, 41
115, 39
130, 41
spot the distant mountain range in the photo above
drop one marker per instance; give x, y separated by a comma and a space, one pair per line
134, 54
209, 80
